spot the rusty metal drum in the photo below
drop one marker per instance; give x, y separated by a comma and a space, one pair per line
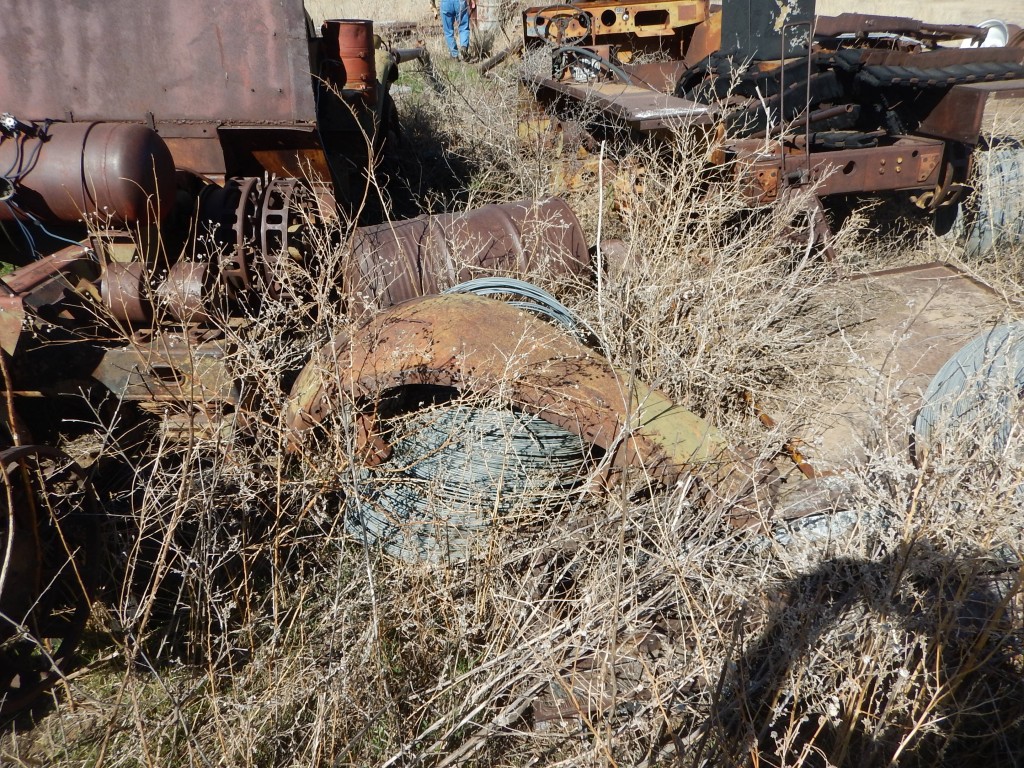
350, 42
397, 261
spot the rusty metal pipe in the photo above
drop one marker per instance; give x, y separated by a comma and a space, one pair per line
513, 50
830, 112
397, 261
402, 55
121, 172
125, 290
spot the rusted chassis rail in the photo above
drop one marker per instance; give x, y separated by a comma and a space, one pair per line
935, 165
847, 114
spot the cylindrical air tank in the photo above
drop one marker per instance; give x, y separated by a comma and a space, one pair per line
120, 172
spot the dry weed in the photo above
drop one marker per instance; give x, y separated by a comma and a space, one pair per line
245, 626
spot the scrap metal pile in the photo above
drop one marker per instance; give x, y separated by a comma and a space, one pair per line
138, 216
847, 105
140, 219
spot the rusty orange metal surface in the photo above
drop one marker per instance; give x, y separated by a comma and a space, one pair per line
349, 62
595, 21
491, 349
400, 260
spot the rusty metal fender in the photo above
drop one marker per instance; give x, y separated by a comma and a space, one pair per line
488, 348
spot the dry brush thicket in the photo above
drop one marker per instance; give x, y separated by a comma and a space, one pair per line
244, 626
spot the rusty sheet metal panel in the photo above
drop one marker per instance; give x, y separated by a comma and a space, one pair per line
903, 325
491, 349
660, 76
971, 110
233, 61
401, 260
641, 109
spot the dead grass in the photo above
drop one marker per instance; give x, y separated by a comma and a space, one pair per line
626, 629
941, 11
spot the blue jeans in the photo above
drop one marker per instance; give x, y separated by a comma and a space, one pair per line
455, 13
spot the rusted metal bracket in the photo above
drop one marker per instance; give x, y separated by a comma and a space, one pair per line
169, 367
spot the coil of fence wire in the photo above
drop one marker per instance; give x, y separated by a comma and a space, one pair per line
458, 468
532, 298
975, 392
454, 472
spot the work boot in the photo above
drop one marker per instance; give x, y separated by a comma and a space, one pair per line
464, 54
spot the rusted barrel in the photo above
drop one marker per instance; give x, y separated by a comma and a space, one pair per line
348, 55
122, 172
488, 17
397, 261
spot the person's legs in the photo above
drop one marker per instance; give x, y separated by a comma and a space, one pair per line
449, 17
464, 25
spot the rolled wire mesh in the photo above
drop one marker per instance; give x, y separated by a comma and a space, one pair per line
455, 471
977, 388
531, 298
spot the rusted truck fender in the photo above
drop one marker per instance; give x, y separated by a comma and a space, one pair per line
490, 349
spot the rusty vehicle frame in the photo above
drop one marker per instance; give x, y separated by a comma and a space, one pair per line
873, 105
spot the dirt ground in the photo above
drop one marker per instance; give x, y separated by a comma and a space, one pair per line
943, 11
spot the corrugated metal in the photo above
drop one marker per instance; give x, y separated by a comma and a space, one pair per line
233, 61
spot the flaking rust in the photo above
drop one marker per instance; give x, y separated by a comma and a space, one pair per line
143, 220
528, 364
